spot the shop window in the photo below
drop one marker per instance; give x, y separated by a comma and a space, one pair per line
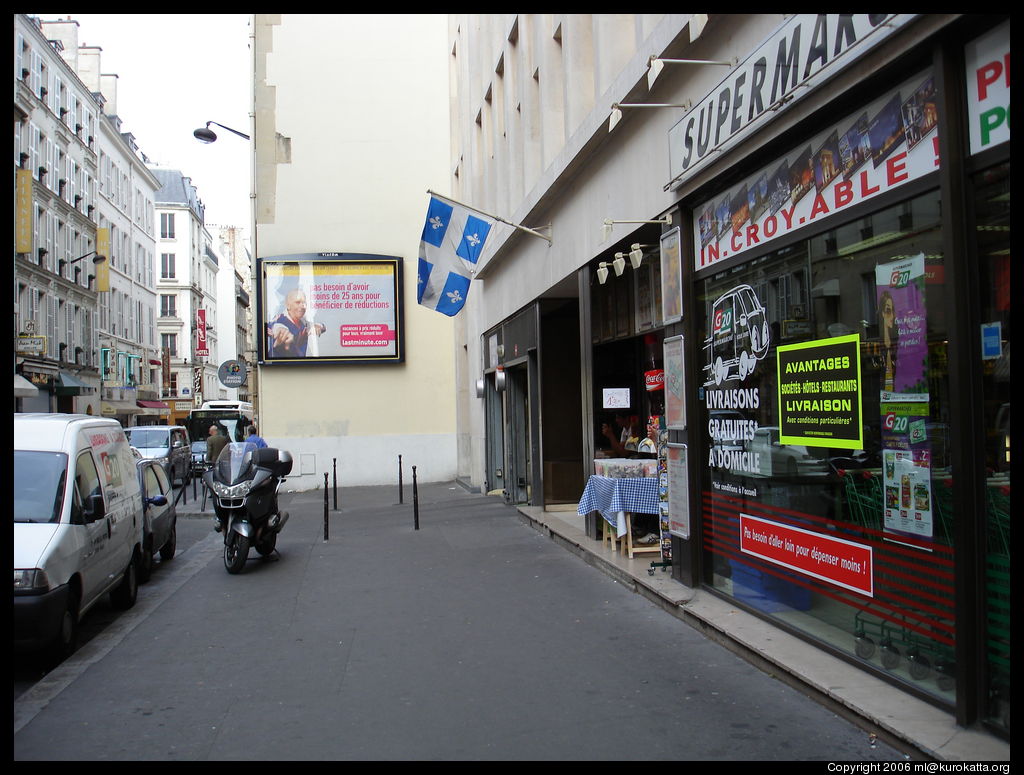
992, 235
826, 486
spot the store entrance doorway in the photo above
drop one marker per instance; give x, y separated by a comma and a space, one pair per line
518, 484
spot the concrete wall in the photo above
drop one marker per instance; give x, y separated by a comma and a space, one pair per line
351, 130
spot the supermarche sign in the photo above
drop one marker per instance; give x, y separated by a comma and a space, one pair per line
804, 51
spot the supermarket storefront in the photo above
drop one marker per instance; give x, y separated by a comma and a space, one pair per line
850, 359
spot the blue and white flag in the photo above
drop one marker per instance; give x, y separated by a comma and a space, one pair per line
453, 240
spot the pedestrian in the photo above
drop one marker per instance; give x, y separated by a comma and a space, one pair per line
253, 437
214, 444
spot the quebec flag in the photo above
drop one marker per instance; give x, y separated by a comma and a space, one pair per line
453, 239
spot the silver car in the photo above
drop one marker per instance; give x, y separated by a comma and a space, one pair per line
167, 444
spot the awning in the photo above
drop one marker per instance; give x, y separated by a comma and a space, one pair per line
112, 408
70, 385
23, 388
153, 408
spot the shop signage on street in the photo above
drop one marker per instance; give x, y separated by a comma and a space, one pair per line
231, 374
988, 88
820, 393
843, 563
889, 143
803, 53
202, 348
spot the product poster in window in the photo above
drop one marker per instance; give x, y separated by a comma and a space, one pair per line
675, 384
330, 308
902, 322
671, 277
902, 360
820, 393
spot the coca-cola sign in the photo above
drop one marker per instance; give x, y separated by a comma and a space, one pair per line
654, 380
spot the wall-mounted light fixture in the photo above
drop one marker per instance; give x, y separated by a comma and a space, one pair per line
606, 228
616, 114
602, 272
207, 135
655, 65
619, 264
636, 254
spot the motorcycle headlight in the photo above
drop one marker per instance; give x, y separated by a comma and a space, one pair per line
233, 491
30, 580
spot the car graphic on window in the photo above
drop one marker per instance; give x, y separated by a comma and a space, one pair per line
738, 338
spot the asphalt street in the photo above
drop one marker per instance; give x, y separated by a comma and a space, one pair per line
473, 638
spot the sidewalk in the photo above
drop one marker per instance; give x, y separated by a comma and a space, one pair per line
840, 685
835, 683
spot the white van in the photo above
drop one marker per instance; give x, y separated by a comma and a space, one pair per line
77, 525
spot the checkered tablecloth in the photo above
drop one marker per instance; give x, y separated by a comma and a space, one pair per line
613, 497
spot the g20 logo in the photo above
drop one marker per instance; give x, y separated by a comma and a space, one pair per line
899, 278
722, 321
896, 424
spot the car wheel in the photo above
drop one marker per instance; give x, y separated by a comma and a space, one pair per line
125, 594
167, 550
146, 560
66, 641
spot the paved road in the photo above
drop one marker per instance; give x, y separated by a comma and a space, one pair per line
473, 638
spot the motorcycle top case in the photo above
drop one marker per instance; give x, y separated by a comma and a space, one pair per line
278, 461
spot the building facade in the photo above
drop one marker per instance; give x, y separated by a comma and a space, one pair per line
56, 120
780, 249
348, 137
186, 269
82, 192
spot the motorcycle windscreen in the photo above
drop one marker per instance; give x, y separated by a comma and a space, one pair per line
235, 462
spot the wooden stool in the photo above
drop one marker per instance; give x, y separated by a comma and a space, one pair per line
608, 535
628, 549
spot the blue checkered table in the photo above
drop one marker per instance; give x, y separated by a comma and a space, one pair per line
614, 497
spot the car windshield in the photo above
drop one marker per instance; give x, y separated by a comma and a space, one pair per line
234, 463
39, 485
149, 438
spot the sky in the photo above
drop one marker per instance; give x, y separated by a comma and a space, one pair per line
175, 73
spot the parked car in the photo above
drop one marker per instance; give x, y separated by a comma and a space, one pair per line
77, 517
160, 518
168, 444
777, 459
198, 457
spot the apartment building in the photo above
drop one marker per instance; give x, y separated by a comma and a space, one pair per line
186, 269
98, 202
56, 145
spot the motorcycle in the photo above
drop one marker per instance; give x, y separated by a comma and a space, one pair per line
243, 484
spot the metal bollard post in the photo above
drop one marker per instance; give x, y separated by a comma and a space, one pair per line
399, 478
335, 484
325, 507
415, 501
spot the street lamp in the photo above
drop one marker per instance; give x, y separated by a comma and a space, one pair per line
99, 259
207, 135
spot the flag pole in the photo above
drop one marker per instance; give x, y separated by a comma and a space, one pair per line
495, 217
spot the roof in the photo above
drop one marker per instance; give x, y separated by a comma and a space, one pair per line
176, 189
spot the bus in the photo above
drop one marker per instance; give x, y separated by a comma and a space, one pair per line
232, 417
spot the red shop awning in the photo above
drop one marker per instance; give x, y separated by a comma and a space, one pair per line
153, 404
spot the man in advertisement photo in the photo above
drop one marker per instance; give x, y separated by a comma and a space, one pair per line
288, 333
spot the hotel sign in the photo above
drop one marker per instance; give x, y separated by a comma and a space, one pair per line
804, 52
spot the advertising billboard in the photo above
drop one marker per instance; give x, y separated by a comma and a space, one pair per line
330, 308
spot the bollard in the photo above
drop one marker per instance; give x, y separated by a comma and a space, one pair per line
325, 507
415, 501
399, 478
335, 484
